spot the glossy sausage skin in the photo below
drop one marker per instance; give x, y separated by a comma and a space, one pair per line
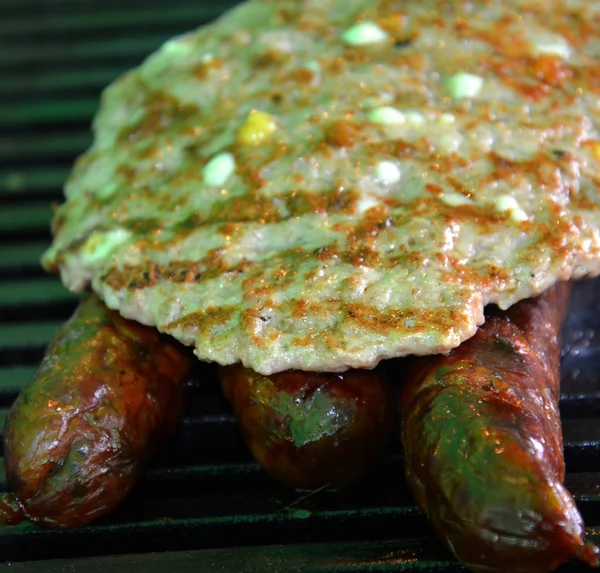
483, 443
106, 395
309, 429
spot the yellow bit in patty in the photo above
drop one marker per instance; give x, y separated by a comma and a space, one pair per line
257, 127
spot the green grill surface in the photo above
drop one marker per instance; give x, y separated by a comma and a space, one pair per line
204, 505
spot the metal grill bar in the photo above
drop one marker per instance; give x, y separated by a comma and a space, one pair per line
82, 52
77, 80
313, 558
31, 150
48, 180
63, 21
27, 113
21, 7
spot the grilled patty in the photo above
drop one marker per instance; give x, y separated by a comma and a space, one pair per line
324, 184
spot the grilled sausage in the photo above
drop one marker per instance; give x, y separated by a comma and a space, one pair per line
483, 444
105, 396
311, 429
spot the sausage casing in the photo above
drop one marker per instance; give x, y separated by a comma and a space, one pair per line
106, 395
309, 429
483, 443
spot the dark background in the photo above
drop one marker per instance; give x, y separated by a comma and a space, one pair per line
204, 505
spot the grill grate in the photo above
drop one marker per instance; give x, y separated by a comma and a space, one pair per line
204, 504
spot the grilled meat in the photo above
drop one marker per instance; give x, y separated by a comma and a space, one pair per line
106, 395
483, 443
310, 429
